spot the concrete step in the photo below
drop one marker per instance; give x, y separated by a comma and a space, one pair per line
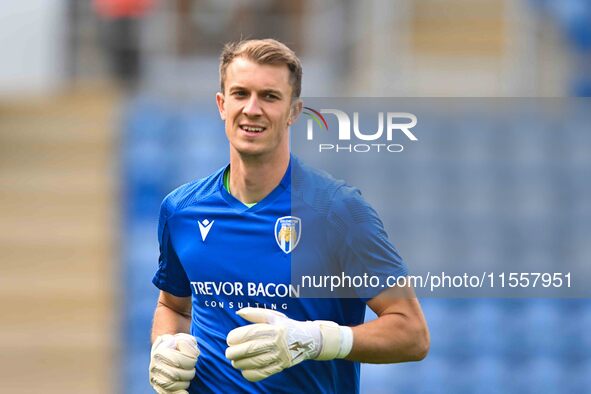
72, 179
81, 370
59, 324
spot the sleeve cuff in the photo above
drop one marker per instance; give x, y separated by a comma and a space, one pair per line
175, 291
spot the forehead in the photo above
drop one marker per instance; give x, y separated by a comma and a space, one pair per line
246, 73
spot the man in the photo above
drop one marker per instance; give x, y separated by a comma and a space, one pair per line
225, 256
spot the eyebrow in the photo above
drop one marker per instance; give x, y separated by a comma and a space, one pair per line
264, 91
272, 91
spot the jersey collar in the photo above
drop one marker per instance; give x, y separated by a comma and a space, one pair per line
283, 185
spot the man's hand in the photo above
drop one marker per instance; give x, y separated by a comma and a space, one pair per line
276, 342
172, 364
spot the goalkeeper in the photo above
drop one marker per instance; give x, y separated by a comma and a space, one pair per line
222, 323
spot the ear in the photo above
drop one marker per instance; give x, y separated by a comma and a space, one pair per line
296, 110
221, 102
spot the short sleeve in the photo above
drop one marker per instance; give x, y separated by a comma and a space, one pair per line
363, 247
170, 276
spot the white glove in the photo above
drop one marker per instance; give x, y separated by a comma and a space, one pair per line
172, 363
277, 342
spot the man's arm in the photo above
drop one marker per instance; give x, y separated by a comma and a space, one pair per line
172, 315
399, 333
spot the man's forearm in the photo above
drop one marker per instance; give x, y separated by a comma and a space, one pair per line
391, 338
399, 334
169, 321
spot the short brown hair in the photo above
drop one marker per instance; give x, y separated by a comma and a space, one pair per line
267, 51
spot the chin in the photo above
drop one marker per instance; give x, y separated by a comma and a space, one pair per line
251, 151
254, 149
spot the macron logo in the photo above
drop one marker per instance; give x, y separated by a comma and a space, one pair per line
204, 228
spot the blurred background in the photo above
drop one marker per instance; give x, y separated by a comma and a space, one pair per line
107, 105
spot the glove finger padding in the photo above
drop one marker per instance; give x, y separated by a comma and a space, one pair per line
175, 358
260, 315
167, 373
164, 382
254, 375
260, 361
250, 332
249, 349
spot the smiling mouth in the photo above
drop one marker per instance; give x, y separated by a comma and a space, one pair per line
252, 129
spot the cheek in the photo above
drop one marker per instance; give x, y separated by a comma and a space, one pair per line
231, 115
281, 118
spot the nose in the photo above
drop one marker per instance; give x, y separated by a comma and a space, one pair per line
252, 107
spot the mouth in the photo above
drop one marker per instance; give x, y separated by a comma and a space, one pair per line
252, 129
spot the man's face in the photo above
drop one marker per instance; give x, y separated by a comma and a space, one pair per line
256, 106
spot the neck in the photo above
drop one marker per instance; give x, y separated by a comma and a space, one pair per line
252, 178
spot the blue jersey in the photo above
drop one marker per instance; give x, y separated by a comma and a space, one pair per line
228, 256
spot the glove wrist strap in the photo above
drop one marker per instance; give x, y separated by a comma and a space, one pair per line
337, 341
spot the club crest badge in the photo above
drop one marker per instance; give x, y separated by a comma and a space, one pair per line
288, 230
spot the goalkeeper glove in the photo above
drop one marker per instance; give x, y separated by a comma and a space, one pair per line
172, 363
276, 342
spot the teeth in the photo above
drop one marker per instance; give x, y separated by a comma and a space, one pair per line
253, 129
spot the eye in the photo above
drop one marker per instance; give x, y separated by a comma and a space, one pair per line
239, 93
271, 97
